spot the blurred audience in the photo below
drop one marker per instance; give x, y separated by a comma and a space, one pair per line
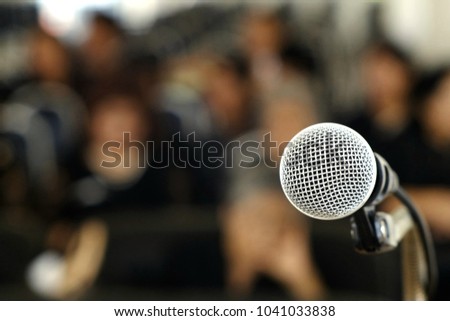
86, 134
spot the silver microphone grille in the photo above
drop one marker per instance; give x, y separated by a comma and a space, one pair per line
328, 171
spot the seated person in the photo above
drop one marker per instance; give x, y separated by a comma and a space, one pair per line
263, 233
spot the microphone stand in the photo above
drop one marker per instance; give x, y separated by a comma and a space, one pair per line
377, 232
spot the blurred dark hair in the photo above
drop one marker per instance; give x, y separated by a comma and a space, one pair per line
388, 47
106, 20
239, 65
143, 62
426, 86
299, 57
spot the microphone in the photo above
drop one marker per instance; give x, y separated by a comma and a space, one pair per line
328, 171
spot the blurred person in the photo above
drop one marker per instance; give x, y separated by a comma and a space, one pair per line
49, 59
263, 234
426, 164
102, 51
385, 117
263, 37
44, 104
47, 120
49, 88
144, 70
128, 178
429, 161
181, 94
175, 91
33, 164
41, 128
225, 108
272, 55
27, 177
229, 96
405, 122
108, 179
101, 57
226, 92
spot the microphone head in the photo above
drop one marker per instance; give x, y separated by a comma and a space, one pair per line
328, 171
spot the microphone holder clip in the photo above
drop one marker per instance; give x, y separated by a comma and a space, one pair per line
376, 232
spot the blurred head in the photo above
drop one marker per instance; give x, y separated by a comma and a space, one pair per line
432, 99
49, 59
102, 51
144, 72
228, 94
116, 114
298, 60
262, 34
121, 119
387, 75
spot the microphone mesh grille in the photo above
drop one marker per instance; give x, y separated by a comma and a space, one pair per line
328, 171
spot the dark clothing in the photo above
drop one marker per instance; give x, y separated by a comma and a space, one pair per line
397, 148
428, 165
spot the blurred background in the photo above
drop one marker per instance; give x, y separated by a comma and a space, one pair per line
76, 75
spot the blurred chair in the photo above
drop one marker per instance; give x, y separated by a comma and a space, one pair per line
29, 137
61, 108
